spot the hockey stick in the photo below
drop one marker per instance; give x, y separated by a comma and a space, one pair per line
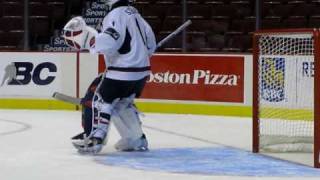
174, 33
66, 98
77, 101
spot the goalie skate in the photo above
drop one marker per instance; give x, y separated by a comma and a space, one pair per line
89, 146
126, 144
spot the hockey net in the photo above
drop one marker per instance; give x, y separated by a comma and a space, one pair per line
284, 98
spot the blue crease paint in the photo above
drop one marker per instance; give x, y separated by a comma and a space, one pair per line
217, 161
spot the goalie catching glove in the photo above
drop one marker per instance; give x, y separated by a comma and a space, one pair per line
78, 35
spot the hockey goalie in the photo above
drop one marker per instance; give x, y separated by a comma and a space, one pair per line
127, 42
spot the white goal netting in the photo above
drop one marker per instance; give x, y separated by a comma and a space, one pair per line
286, 92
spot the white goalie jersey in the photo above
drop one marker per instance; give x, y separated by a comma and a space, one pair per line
127, 41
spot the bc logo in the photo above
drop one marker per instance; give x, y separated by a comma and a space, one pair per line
22, 73
272, 79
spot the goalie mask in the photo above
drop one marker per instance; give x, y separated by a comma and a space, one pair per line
78, 35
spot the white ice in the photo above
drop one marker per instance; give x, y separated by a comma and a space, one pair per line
35, 145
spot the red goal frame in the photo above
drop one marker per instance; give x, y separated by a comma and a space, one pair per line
255, 90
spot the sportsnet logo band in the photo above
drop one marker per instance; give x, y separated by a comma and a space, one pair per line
197, 77
272, 79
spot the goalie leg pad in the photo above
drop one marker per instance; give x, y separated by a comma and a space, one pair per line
100, 127
129, 118
102, 114
87, 110
129, 127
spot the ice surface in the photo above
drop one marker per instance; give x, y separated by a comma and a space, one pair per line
35, 145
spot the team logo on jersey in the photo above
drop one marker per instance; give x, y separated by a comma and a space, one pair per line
113, 33
272, 78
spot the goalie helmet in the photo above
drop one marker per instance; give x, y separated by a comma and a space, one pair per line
78, 35
110, 3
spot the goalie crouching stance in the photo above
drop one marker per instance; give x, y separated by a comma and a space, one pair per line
127, 42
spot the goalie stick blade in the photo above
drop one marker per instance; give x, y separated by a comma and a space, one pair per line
66, 98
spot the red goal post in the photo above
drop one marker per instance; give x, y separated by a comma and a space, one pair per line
286, 91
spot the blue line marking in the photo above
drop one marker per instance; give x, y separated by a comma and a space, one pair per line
208, 161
